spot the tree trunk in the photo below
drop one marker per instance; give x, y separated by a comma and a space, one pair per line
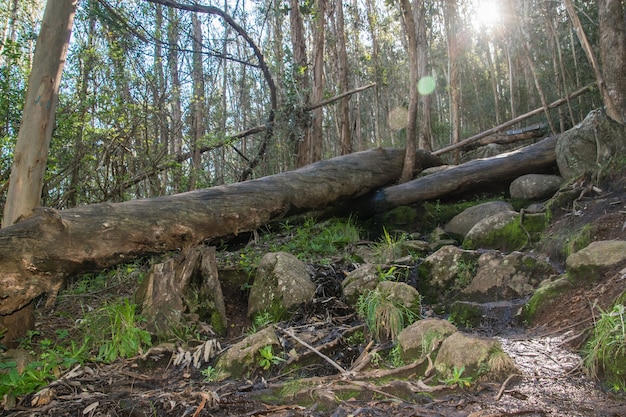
425, 102
37, 253
176, 125
33, 141
197, 103
411, 125
342, 69
464, 177
612, 19
454, 53
315, 149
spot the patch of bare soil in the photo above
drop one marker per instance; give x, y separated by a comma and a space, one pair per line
347, 382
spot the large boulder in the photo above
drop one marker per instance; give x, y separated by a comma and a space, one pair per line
423, 337
591, 262
590, 146
479, 357
282, 283
446, 272
506, 277
463, 222
487, 233
535, 186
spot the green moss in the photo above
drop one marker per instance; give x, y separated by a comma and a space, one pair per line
515, 235
466, 314
544, 296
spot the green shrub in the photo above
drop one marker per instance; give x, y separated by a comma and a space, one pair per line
605, 352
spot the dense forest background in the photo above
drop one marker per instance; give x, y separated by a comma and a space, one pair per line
156, 100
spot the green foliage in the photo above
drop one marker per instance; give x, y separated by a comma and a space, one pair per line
53, 358
389, 247
395, 356
385, 318
268, 358
458, 379
465, 272
605, 352
113, 330
212, 374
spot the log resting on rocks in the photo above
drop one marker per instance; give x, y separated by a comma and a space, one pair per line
38, 253
530, 159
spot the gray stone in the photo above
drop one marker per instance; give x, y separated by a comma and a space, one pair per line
593, 144
463, 222
506, 277
282, 283
364, 278
480, 235
242, 358
479, 356
589, 263
446, 272
423, 337
535, 186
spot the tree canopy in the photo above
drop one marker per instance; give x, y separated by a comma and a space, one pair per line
159, 97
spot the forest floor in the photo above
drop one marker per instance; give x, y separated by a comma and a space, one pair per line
552, 381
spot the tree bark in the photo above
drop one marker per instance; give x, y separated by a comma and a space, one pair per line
315, 149
466, 176
612, 19
37, 253
411, 124
33, 141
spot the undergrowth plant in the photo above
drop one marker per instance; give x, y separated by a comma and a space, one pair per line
605, 352
385, 317
458, 379
389, 247
51, 358
268, 358
114, 330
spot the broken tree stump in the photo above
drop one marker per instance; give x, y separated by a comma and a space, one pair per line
185, 284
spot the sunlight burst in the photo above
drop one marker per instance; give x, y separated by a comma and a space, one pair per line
486, 14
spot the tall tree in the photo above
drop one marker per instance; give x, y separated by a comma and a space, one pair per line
342, 69
300, 71
451, 16
315, 147
197, 112
33, 141
612, 17
176, 123
411, 126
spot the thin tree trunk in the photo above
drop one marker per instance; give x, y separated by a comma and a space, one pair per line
454, 51
342, 69
425, 101
411, 128
315, 150
300, 73
197, 117
176, 124
83, 105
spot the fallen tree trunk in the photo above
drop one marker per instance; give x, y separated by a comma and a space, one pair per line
38, 253
528, 160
